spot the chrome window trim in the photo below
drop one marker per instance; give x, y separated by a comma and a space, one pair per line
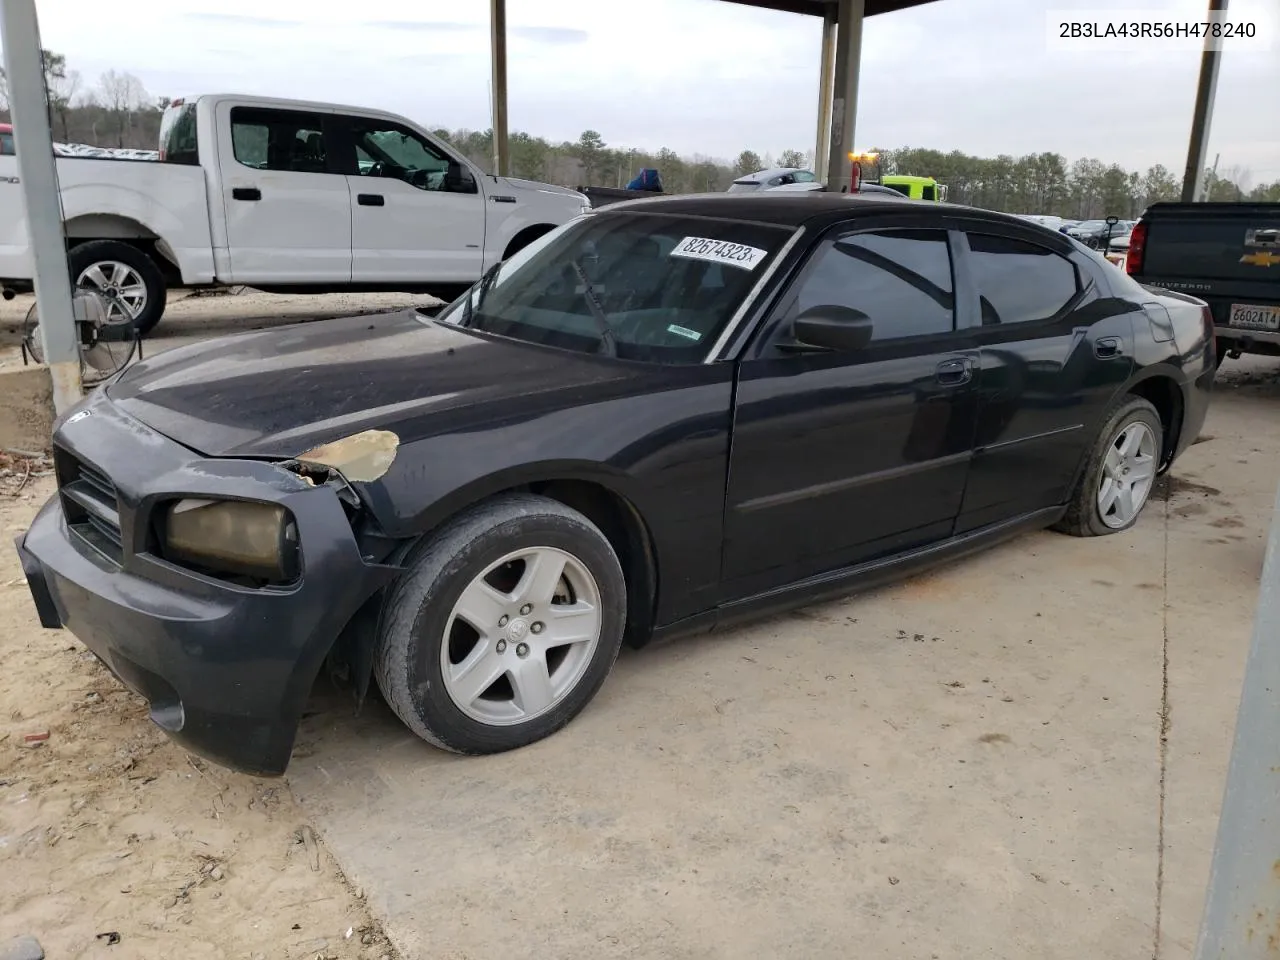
731, 328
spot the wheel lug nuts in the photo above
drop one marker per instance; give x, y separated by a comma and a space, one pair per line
526, 609
502, 646
537, 627
522, 650
502, 620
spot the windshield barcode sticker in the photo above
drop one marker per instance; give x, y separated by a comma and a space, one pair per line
720, 251
685, 332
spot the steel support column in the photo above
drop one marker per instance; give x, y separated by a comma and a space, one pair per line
498, 55
823, 143
1206, 89
33, 143
1241, 911
844, 103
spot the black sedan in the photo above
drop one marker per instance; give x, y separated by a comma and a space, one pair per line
656, 420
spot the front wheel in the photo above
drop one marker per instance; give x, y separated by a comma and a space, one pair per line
1121, 471
503, 627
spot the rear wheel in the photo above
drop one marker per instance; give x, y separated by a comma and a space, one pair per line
504, 626
1121, 471
129, 281
1220, 348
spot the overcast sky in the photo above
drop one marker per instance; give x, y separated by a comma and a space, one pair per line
704, 76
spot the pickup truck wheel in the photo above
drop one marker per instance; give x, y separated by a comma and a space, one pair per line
1220, 348
130, 281
503, 627
1120, 473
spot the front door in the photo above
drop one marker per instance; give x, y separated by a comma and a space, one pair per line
288, 212
842, 457
1054, 351
411, 221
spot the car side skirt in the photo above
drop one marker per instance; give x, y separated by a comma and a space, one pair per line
855, 579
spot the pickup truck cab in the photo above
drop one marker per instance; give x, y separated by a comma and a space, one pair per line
281, 195
1226, 254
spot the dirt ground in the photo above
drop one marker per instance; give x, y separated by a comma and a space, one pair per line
107, 830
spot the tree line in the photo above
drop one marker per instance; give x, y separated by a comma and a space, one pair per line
117, 111
1042, 183
113, 111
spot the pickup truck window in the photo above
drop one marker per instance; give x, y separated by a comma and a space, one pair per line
389, 150
178, 141
1020, 282
278, 140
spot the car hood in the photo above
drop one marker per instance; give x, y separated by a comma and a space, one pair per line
536, 187
280, 392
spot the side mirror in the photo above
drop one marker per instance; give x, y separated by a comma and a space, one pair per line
458, 179
831, 327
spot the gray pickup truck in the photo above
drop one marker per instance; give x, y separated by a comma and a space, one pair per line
1226, 254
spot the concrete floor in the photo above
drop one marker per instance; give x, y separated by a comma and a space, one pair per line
969, 764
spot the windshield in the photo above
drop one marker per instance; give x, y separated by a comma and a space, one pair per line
643, 286
6, 144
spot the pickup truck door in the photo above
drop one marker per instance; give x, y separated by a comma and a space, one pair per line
417, 214
287, 207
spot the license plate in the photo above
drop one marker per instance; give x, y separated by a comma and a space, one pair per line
1254, 317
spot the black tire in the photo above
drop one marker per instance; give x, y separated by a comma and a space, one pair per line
85, 255
524, 238
407, 661
1083, 517
1220, 348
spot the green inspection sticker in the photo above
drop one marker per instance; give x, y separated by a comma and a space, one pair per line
684, 332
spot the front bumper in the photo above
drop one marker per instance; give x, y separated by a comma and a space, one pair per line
225, 669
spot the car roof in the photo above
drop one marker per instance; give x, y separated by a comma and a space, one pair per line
788, 209
767, 174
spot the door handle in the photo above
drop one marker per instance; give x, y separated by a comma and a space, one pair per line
1106, 348
246, 193
370, 200
955, 371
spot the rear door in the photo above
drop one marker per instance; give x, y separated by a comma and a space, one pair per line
842, 457
417, 214
1054, 350
287, 207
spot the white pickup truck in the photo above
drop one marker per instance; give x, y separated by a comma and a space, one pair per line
280, 195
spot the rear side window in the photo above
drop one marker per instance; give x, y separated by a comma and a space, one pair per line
1019, 282
178, 142
901, 279
278, 140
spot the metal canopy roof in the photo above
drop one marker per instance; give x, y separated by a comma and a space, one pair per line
817, 8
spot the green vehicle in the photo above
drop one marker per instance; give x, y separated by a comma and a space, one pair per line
917, 188
866, 169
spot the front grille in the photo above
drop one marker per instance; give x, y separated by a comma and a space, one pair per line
90, 504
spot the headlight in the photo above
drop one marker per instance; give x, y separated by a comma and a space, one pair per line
584, 207
234, 537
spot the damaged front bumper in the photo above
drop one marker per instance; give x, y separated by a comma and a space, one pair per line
225, 668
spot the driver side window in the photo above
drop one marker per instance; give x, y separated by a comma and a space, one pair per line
391, 151
900, 279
